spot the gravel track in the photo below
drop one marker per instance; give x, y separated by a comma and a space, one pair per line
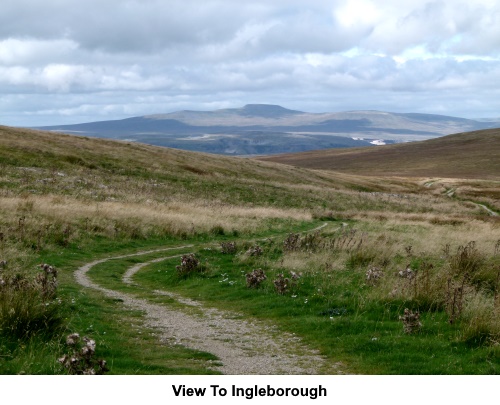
244, 346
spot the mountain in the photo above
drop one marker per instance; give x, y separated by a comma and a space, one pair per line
465, 155
271, 129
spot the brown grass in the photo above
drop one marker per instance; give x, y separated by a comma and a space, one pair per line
472, 155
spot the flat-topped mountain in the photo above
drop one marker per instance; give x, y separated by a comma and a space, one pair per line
272, 129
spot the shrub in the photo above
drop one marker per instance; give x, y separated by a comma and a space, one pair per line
255, 278
217, 230
480, 321
24, 312
312, 242
360, 257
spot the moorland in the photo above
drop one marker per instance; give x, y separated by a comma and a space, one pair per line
379, 271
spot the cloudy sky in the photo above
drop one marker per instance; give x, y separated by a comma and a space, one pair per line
70, 61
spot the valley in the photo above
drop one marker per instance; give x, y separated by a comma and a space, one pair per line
262, 129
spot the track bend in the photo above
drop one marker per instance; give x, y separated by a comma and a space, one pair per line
243, 346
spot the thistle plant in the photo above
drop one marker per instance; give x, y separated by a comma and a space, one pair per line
283, 284
47, 280
407, 273
411, 321
255, 278
3, 264
189, 264
81, 361
228, 247
255, 251
373, 275
291, 243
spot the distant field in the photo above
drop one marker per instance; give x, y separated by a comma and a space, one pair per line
472, 155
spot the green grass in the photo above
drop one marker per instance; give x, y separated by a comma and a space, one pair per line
337, 318
69, 200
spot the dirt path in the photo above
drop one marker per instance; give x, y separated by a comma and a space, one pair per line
243, 346
451, 192
489, 211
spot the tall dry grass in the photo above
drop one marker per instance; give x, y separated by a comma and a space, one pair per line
453, 270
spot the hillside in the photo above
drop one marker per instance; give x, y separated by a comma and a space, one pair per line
472, 155
190, 190
260, 129
176, 262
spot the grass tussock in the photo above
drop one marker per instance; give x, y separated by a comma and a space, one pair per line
28, 302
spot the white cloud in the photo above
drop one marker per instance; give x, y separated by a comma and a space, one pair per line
31, 51
93, 58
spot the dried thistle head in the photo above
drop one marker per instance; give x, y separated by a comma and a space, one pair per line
255, 251
281, 284
102, 365
73, 339
373, 275
411, 321
407, 273
90, 344
228, 247
255, 278
48, 269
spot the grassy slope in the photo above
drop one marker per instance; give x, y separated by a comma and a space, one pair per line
184, 173
472, 155
66, 200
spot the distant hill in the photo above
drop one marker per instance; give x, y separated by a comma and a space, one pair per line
465, 155
261, 129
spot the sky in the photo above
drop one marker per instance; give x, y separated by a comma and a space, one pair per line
72, 61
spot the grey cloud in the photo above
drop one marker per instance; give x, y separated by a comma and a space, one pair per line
85, 60
117, 26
